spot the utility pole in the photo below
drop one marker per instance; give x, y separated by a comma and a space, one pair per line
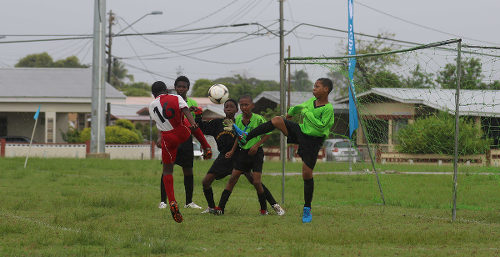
110, 42
282, 102
97, 132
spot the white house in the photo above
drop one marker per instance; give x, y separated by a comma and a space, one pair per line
61, 93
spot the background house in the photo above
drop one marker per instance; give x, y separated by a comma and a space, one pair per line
386, 110
64, 95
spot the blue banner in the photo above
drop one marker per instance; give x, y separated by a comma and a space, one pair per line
353, 112
37, 113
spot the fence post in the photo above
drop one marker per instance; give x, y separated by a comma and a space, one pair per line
488, 157
2, 147
87, 147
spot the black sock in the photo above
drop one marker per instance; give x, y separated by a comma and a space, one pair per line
223, 199
261, 129
188, 186
308, 192
209, 195
262, 201
269, 196
162, 189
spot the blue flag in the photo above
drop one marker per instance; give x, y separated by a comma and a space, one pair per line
353, 112
37, 113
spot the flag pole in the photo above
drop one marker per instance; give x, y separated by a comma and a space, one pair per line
32, 135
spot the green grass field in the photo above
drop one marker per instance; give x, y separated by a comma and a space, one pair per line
66, 207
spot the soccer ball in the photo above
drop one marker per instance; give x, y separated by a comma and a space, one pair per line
218, 94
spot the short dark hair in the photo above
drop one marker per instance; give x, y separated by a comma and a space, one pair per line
327, 83
233, 101
158, 88
246, 96
182, 78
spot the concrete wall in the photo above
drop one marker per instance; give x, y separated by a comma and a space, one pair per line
132, 152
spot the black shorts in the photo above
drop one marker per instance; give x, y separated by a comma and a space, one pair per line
185, 155
222, 166
246, 163
308, 145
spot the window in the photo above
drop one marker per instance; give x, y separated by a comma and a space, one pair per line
396, 126
3, 126
377, 131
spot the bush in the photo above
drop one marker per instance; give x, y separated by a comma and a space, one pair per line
71, 136
435, 135
117, 134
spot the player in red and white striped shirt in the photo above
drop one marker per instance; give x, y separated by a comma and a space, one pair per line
168, 112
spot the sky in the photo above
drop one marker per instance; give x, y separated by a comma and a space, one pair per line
247, 50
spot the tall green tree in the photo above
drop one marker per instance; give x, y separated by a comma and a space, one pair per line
300, 81
119, 74
44, 60
471, 76
419, 78
237, 86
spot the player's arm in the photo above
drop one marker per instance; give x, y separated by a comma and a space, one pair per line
294, 110
190, 118
325, 120
233, 149
255, 147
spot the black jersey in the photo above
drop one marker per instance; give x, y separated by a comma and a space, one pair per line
220, 130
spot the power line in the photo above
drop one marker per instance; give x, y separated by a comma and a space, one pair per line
422, 26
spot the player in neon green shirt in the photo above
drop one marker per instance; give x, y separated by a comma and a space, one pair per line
249, 158
309, 135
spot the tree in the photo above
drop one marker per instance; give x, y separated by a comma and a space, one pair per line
237, 86
419, 79
136, 89
471, 76
119, 74
44, 60
300, 81
200, 87
371, 71
340, 82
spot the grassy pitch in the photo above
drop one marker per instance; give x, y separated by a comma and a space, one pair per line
66, 207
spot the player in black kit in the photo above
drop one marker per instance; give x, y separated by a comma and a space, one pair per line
222, 131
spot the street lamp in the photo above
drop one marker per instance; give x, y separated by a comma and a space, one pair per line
144, 16
111, 35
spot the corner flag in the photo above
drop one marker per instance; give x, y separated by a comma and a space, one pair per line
32, 135
353, 112
37, 113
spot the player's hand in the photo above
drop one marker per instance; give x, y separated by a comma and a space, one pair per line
158, 143
207, 153
229, 154
196, 110
253, 150
192, 108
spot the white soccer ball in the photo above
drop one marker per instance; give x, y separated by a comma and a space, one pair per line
218, 94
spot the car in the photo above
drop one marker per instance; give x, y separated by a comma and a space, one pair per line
16, 139
339, 149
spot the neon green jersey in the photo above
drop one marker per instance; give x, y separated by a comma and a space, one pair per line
317, 120
255, 120
191, 103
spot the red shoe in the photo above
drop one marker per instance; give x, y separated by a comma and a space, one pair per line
174, 209
263, 212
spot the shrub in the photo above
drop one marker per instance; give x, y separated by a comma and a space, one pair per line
71, 136
435, 135
116, 135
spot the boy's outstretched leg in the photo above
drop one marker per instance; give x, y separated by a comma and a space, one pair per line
276, 122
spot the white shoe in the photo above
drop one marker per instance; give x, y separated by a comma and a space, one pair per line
277, 208
192, 205
162, 205
208, 210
